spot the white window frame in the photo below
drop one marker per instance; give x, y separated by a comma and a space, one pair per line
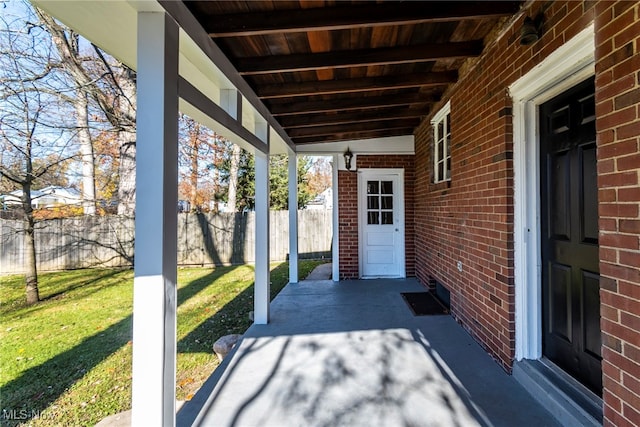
442, 158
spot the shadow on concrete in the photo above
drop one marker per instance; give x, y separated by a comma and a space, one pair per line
351, 353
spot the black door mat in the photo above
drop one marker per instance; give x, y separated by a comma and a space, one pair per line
424, 304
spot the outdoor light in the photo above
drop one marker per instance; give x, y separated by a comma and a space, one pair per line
530, 31
348, 155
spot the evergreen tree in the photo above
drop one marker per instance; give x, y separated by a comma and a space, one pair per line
278, 180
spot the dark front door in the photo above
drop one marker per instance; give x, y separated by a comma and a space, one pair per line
569, 218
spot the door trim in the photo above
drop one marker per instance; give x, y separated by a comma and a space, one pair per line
570, 64
363, 175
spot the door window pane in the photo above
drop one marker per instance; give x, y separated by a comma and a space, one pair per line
387, 187
372, 202
387, 217
387, 202
373, 218
372, 187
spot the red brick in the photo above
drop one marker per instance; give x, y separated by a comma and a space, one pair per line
612, 314
607, 195
618, 210
613, 418
628, 34
610, 60
608, 254
631, 414
605, 137
630, 226
607, 224
624, 241
630, 290
615, 88
630, 98
629, 194
629, 131
623, 7
607, 28
630, 258
625, 364
617, 149
621, 117
629, 66
621, 272
630, 321
628, 163
603, 106
618, 179
606, 166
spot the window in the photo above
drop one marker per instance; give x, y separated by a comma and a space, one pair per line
441, 125
379, 202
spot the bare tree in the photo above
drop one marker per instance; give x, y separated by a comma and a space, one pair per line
67, 44
33, 123
234, 167
199, 157
126, 114
112, 86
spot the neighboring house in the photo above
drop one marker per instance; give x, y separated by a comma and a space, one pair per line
48, 197
184, 206
510, 179
323, 201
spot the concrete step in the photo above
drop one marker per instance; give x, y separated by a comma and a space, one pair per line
570, 402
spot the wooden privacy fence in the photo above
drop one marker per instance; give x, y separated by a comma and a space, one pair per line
203, 239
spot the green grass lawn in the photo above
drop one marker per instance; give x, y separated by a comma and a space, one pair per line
67, 359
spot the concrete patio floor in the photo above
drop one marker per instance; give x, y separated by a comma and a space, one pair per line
352, 354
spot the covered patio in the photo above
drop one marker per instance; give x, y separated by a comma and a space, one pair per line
432, 113
352, 353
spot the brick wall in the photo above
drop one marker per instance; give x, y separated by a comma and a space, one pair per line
348, 210
618, 125
348, 224
470, 219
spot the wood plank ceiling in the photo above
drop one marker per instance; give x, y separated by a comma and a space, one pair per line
343, 70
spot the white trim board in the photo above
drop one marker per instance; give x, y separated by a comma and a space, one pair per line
389, 145
570, 64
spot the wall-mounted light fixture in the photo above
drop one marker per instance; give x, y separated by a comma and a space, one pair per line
348, 156
531, 30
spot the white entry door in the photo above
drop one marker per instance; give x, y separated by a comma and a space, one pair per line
381, 222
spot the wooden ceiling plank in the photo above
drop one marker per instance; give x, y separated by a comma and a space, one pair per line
352, 127
357, 103
357, 58
399, 81
309, 120
320, 41
346, 17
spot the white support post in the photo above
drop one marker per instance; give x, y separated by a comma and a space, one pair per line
293, 217
262, 289
154, 284
335, 253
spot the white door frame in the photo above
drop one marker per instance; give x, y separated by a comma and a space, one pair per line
570, 64
363, 175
